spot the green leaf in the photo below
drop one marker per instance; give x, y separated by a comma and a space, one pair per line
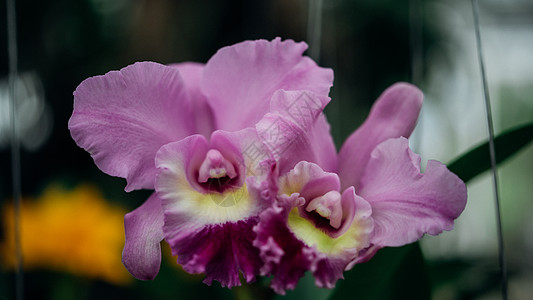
477, 161
393, 273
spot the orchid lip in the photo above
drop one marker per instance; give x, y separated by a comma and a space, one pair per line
328, 207
216, 173
325, 215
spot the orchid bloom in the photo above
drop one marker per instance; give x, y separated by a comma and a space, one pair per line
327, 219
188, 132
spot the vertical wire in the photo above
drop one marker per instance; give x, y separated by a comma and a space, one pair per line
314, 28
503, 269
314, 38
416, 49
15, 148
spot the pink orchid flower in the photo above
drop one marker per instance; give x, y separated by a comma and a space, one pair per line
327, 219
187, 132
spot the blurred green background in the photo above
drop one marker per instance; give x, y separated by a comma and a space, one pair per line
369, 44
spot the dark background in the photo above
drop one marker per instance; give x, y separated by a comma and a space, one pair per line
369, 45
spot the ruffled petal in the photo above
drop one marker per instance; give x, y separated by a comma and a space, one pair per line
240, 79
328, 271
288, 254
295, 130
405, 203
393, 115
211, 231
281, 251
144, 231
330, 268
304, 231
123, 118
192, 76
220, 251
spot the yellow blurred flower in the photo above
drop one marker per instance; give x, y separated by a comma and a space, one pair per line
75, 231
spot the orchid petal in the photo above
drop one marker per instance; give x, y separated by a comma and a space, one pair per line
144, 232
393, 115
321, 141
220, 251
280, 250
296, 131
309, 180
312, 227
364, 256
123, 118
177, 180
328, 271
211, 232
240, 79
192, 76
405, 203
287, 254
305, 108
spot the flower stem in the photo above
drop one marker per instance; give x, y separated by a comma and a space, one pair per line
503, 270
